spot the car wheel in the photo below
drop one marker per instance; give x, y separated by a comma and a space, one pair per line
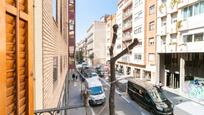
152, 112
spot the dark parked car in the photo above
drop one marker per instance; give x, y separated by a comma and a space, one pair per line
149, 97
100, 71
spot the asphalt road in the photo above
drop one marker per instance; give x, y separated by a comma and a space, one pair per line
124, 105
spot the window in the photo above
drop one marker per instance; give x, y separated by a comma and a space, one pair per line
193, 10
151, 56
198, 37
163, 21
190, 9
151, 26
118, 46
187, 38
71, 24
151, 41
138, 57
163, 39
54, 9
173, 38
196, 9
138, 15
174, 18
152, 9
138, 2
185, 12
138, 29
55, 68
202, 7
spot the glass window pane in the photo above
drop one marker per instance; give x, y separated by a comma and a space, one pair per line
202, 7
190, 11
185, 13
189, 38
196, 9
198, 37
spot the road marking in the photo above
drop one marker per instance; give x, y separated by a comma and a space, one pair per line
142, 113
92, 111
125, 99
119, 93
120, 113
75, 84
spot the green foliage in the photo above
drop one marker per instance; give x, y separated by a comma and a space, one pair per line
163, 5
174, 3
79, 56
91, 56
178, 25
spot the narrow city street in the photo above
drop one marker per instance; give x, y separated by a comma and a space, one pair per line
124, 105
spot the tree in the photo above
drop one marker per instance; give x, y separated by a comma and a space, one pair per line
112, 67
79, 56
91, 57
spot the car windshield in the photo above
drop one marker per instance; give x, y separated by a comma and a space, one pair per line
157, 95
96, 90
94, 75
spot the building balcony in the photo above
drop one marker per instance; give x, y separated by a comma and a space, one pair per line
162, 10
127, 26
127, 38
167, 48
192, 22
127, 16
173, 28
185, 3
162, 30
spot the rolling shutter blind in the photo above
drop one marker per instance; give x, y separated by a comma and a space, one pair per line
16, 57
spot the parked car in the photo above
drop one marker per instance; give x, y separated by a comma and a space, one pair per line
96, 91
100, 70
149, 97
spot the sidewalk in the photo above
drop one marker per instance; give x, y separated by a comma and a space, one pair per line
174, 98
75, 99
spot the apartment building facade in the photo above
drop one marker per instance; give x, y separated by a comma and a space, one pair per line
95, 43
180, 49
111, 20
51, 52
133, 19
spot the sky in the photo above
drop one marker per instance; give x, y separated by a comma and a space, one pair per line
88, 11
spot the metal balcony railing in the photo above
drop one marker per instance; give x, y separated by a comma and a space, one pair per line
56, 111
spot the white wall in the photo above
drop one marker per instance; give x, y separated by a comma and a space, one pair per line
38, 54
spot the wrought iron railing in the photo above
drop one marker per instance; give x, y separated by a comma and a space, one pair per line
56, 111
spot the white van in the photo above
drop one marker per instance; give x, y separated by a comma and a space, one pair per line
96, 92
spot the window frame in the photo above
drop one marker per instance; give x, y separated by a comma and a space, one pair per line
152, 9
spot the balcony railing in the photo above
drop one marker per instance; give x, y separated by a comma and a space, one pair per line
56, 111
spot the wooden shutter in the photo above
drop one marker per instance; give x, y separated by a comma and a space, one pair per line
16, 97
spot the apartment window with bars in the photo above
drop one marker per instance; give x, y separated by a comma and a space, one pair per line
152, 9
151, 26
